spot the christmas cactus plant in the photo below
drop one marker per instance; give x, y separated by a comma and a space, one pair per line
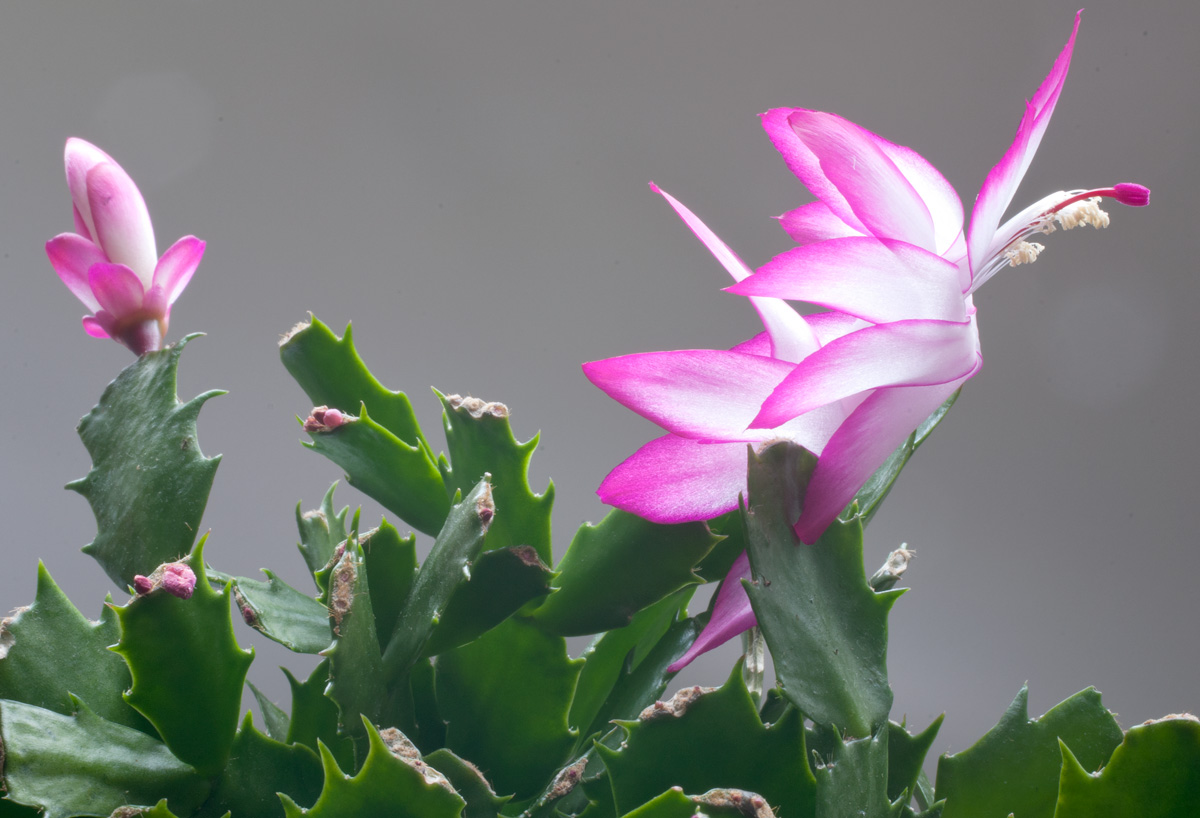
445, 686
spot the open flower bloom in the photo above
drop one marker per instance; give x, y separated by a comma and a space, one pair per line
111, 262
884, 250
885, 244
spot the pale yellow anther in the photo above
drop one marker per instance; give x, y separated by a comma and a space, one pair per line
1025, 252
1085, 212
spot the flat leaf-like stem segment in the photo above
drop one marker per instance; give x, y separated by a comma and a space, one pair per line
906, 757
703, 740
187, 668
355, 665
49, 651
261, 768
387, 785
402, 478
480, 441
391, 563
852, 781
331, 373
149, 481
283, 614
620, 566
447, 566
505, 699
1015, 767
469, 782
1155, 773
875, 490
826, 628
80, 764
383, 451
315, 717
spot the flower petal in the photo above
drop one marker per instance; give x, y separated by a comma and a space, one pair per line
121, 220
874, 196
176, 267
1002, 181
815, 222
829, 326
697, 393
675, 480
117, 289
94, 325
731, 615
791, 339
945, 208
72, 256
80, 156
862, 444
902, 353
876, 280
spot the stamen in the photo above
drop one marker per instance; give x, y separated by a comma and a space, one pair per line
1025, 252
1084, 212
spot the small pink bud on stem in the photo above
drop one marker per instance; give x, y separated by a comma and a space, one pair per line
176, 578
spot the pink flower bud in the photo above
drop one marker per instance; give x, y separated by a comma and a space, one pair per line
178, 580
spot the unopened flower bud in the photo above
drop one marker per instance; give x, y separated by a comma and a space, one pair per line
178, 580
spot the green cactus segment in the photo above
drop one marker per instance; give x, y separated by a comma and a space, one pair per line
1155, 773
618, 653
502, 582
282, 614
826, 628
149, 482
401, 477
728, 527
448, 565
263, 768
187, 668
620, 566
387, 785
80, 764
391, 562
355, 665
852, 782
276, 720
331, 373
468, 781
906, 757
315, 716
715, 804
1015, 767
320, 532
50, 650
702, 740
480, 441
430, 729
642, 681
875, 490
503, 718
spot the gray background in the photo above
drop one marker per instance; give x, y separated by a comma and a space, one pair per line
467, 182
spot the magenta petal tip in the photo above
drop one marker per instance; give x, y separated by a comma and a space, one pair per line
1128, 193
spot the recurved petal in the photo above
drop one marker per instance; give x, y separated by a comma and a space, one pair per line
121, 220
72, 256
791, 339
1002, 181
731, 615
862, 444
902, 353
676, 480
876, 280
94, 325
945, 208
176, 267
697, 393
117, 289
856, 162
815, 222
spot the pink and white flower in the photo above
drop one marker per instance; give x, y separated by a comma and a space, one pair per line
111, 262
884, 250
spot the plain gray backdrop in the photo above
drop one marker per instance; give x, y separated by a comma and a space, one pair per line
467, 182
